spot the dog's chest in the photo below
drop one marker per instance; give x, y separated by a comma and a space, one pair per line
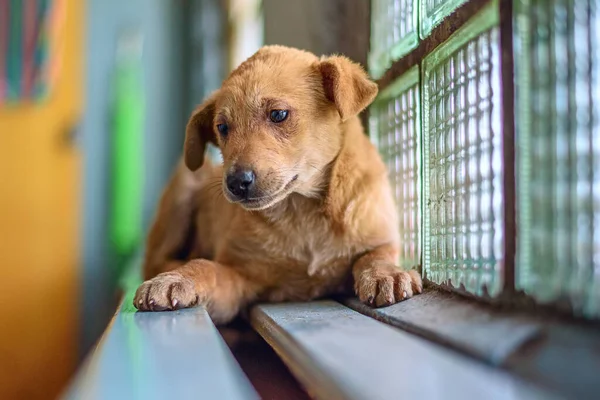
320, 255
306, 262
310, 245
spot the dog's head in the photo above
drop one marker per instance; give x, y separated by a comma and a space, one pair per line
277, 120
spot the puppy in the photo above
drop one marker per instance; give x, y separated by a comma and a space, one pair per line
301, 207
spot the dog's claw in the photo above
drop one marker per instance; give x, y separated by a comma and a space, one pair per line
383, 285
169, 291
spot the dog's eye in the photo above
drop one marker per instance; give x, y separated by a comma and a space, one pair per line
223, 129
278, 115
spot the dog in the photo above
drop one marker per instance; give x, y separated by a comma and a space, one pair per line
301, 207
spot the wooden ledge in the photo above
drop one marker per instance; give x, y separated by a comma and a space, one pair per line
338, 353
162, 355
554, 352
453, 321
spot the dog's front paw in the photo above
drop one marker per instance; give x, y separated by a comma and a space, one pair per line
384, 284
168, 291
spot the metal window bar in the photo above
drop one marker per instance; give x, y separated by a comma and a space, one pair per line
558, 130
395, 127
393, 34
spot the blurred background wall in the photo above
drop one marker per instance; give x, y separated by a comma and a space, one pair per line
160, 24
323, 27
41, 103
94, 147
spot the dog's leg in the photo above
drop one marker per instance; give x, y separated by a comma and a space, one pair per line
171, 228
220, 288
378, 281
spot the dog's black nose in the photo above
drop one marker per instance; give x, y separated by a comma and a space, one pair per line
240, 182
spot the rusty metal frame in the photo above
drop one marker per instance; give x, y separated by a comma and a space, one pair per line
508, 143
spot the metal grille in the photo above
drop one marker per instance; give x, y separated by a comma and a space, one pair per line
558, 130
433, 12
396, 125
394, 34
463, 233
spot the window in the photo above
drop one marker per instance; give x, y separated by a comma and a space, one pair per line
434, 11
394, 34
462, 159
395, 117
558, 156
497, 179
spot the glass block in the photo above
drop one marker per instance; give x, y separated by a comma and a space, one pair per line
558, 159
395, 130
462, 159
393, 32
433, 12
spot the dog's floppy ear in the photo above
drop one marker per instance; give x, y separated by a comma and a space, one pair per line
199, 132
347, 85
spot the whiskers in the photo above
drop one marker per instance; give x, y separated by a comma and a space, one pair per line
320, 182
214, 188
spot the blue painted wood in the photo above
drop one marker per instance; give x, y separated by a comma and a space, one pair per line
162, 355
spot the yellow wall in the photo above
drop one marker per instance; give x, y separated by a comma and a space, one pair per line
39, 224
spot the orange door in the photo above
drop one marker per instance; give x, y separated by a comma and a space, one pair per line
40, 172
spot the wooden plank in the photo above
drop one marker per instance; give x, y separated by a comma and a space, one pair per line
161, 355
534, 346
454, 321
337, 353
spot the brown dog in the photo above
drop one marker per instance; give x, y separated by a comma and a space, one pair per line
301, 207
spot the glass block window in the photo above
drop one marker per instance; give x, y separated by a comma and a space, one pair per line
434, 11
558, 159
463, 200
395, 127
393, 33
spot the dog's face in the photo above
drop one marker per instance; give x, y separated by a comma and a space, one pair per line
277, 121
